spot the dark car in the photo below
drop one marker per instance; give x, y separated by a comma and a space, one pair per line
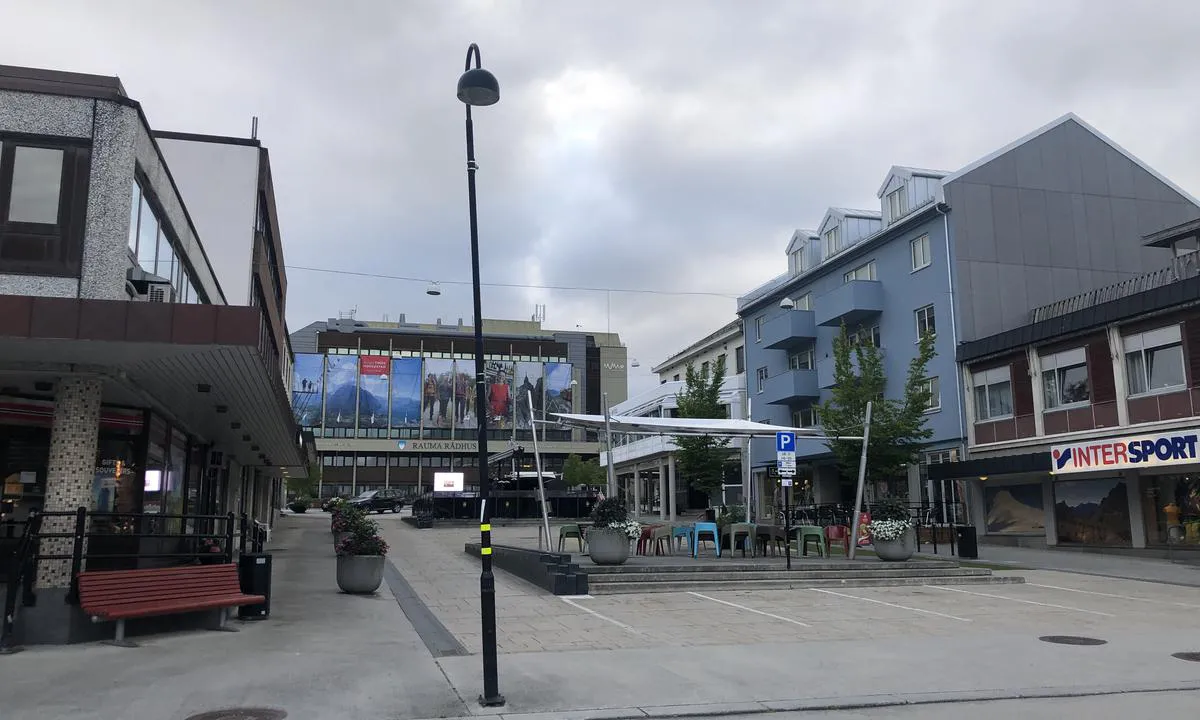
379, 500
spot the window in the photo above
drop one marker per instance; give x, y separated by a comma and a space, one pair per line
760, 379
1065, 378
805, 417
864, 335
798, 262
723, 360
676, 378
739, 359
921, 255
862, 272
831, 241
704, 368
1154, 360
154, 250
758, 327
804, 302
933, 387
993, 393
802, 360
939, 456
43, 206
897, 201
925, 322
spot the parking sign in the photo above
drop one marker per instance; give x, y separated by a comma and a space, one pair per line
785, 453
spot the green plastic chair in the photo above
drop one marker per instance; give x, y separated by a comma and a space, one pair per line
807, 533
566, 532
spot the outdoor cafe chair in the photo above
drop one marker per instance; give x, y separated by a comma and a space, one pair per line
705, 528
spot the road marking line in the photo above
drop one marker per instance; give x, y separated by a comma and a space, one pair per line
902, 607
1019, 600
590, 611
1113, 595
750, 609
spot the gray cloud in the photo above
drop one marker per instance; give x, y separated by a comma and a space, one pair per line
668, 146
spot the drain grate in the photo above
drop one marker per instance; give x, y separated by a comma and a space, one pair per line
242, 714
1189, 656
1072, 640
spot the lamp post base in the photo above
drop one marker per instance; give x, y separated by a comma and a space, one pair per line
494, 701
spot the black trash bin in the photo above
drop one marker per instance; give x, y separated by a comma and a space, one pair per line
254, 571
968, 542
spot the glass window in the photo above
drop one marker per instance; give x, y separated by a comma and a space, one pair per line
993, 394
1065, 378
933, 387
760, 378
921, 256
758, 327
164, 267
897, 203
1154, 360
862, 272
36, 185
739, 360
134, 205
804, 302
805, 417
802, 360
864, 335
704, 368
831, 241
926, 323
147, 236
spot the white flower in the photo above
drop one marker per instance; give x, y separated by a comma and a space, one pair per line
631, 528
888, 529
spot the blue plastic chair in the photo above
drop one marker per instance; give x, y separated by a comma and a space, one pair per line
701, 528
684, 532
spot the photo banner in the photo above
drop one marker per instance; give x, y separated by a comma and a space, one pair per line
373, 374
498, 376
308, 379
341, 385
529, 379
406, 392
558, 388
437, 391
464, 396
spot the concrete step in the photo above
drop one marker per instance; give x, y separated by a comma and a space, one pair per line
599, 587
724, 566
859, 574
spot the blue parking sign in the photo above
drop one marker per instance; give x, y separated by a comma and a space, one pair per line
785, 441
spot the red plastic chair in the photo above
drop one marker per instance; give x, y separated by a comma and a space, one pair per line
643, 543
838, 533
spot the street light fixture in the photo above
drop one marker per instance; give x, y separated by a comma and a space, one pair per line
479, 87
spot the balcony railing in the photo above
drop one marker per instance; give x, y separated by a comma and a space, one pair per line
1181, 268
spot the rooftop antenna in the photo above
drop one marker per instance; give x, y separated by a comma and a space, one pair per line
348, 314
539, 314
254, 127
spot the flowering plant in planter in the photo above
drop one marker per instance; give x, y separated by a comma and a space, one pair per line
345, 519
631, 528
362, 543
889, 529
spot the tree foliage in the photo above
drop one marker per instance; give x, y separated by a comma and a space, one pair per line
898, 430
578, 472
701, 459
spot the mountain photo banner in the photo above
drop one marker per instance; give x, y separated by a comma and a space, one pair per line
373, 374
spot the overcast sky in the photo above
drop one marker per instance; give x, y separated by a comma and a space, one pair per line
666, 146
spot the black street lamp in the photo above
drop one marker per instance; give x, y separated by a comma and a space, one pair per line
479, 87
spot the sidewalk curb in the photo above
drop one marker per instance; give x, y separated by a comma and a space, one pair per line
850, 702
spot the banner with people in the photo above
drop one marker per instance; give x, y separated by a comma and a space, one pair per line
308, 383
437, 394
498, 376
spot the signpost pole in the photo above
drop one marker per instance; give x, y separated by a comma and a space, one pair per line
787, 522
862, 474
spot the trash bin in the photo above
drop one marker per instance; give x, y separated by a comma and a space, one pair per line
710, 515
968, 542
254, 572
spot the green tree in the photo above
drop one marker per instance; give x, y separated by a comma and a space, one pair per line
305, 486
701, 459
898, 430
578, 472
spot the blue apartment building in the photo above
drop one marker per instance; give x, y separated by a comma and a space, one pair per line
965, 254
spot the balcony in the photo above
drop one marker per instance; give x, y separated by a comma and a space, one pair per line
851, 303
788, 329
790, 386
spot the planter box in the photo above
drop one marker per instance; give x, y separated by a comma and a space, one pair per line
548, 570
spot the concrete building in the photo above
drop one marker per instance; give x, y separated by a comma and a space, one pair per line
645, 466
1083, 422
964, 254
131, 384
392, 403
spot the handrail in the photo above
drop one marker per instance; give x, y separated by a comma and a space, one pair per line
1181, 268
21, 569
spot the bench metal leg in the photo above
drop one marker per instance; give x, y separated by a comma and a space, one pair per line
120, 640
222, 623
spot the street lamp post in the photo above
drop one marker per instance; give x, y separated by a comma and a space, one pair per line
479, 87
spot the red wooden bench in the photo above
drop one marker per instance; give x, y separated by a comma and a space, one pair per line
123, 594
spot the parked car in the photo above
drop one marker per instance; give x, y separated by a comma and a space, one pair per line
380, 500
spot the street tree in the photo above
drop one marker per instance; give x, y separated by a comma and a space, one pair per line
701, 459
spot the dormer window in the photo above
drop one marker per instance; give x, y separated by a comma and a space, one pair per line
798, 262
897, 203
831, 241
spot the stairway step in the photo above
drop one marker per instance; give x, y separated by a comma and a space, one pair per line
724, 566
604, 588
885, 572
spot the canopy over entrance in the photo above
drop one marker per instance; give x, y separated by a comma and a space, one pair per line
685, 427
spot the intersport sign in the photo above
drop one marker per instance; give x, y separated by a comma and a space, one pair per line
1174, 447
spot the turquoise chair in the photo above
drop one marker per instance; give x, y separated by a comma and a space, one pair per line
702, 528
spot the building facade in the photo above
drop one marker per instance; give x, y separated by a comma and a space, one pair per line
961, 255
645, 467
1083, 423
392, 403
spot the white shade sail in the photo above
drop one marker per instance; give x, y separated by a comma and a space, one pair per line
684, 426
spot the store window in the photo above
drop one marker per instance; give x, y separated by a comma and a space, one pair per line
1092, 512
1172, 509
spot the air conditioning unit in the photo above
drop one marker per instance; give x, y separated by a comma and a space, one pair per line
160, 292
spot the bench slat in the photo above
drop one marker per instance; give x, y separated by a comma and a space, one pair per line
169, 608
121, 594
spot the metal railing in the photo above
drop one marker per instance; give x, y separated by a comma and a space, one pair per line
1181, 268
934, 524
22, 565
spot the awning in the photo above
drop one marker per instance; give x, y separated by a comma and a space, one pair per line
685, 427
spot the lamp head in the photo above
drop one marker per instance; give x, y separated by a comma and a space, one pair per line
478, 87
433, 289
787, 303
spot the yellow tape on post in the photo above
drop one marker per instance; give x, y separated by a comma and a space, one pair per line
485, 551
486, 527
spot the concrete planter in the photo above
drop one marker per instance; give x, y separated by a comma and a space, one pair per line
897, 550
360, 574
607, 546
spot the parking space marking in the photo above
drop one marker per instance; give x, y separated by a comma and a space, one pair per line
901, 607
1019, 600
592, 612
750, 609
1119, 597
